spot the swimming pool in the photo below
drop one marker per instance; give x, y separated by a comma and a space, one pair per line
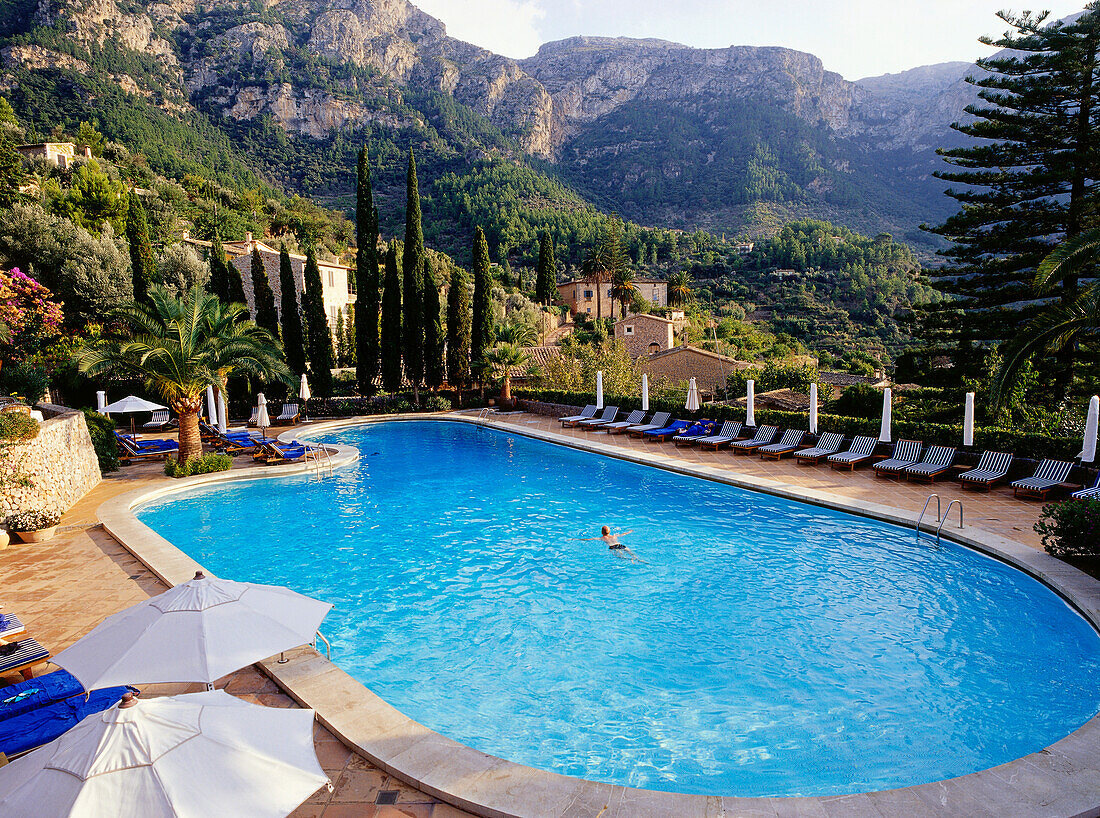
765, 646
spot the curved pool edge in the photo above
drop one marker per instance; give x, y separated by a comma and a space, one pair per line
1063, 779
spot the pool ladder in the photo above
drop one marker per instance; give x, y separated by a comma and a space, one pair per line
322, 457
940, 518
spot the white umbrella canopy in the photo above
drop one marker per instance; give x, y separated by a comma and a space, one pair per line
645, 392
303, 390
199, 631
1092, 421
692, 404
199, 754
887, 406
262, 419
599, 389
131, 403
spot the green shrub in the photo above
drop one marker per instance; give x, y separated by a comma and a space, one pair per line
102, 431
24, 380
1071, 528
17, 426
437, 403
205, 464
860, 400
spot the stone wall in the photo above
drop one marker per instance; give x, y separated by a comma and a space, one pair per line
60, 465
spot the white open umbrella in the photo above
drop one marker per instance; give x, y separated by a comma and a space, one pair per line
262, 418
645, 392
197, 755
750, 400
887, 404
1088, 452
599, 389
692, 404
211, 406
198, 631
813, 408
968, 420
303, 390
130, 405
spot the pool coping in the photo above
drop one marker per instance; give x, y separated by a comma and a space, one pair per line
1063, 779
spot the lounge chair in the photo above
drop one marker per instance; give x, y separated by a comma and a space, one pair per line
788, 444
634, 419
254, 418
699, 429
937, 462
764, 436
906, 453
991, 469
130, 450
670, 431
1089, 494
158, 421
25, 732
1049, 475
23, 658
25, 696
10, 626
728, 433
275, 452
609, 414
586, 413
658, 421
859, 452
290, 414
829, 443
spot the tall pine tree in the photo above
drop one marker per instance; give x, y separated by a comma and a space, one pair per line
546, 277
434, 337
267, 316
482, 332
367, 284
142, 267
391, 324
1030, 183
412, 269
294, 345
318, 332
459, 321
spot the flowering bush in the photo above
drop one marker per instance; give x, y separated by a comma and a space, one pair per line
28, 317
1071, 529
33, 520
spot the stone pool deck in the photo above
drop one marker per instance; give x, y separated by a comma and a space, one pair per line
64, 587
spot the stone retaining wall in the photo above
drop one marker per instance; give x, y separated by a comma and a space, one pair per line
60, 466
554, 410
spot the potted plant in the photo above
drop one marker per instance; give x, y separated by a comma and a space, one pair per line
34, 526
4, 538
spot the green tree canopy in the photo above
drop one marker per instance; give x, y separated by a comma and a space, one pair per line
294, 345
482, 334
367, 284
391, 324
459, 322
318, 332
143, 269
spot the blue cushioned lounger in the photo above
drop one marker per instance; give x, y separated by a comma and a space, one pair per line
673, 429
658, 421
10, 624
691, 435
41, 726
30, 694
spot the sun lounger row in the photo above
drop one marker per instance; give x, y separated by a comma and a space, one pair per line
130, 449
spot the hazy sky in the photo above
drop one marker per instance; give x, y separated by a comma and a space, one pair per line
856, 38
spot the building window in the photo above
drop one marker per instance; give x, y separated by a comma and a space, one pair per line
589, 310
588, 296
331, 278
628, 330
654, 347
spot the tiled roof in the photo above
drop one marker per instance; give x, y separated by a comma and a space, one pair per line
645, 316
847, 378
683, 349
536, 357
785, 399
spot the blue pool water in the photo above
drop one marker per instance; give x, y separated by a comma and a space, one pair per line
764, 648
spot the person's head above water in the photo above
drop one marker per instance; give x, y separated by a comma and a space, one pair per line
605, 530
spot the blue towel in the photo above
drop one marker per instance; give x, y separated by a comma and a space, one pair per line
43, 725
21, 698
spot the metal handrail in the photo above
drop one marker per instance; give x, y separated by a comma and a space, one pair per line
328, 645
945, 515
920, 519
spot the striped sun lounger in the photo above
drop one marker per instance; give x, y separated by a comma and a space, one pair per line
10, 625
691, 435
829, 443
791, 440
1049, 475
859, 452
1089, 494
158, 421
634, 419
658, 421
992, 468
937, 461
728, 433
26, 654
609, 414
764, 436
906, 453
586, 413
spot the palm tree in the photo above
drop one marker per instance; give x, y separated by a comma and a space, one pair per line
1057, 325
597, 266
623, 288
502, 359
520, 335
180, 346
679, 288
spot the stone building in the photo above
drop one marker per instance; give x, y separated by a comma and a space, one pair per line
584, 297
645, 334
680, 364
58, 154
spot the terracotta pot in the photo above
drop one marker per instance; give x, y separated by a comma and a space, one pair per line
41, 535
4, 539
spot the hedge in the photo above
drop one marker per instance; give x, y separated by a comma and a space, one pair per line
382, 405
1021, 443
102, 431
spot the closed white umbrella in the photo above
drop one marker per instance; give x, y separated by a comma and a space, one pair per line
130, 405
1088, 453
262, 419
813, 408
599, 389
198, 631
750, 397
968, 420
692, 404
189, 756
223, 413
100, 401
887, 404
211, 406
645, 392
303, 390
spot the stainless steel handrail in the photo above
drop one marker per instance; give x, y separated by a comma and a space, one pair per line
920, 519
328, 645
945, 516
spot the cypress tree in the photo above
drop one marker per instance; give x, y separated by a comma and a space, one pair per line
459, 321
294, 346
318, 333
351, 354
367, 284
1029, 184
482, 332
341, 339
546, 278
267, 317
433, 330
218, 283
412, 267
391, 324
142, 267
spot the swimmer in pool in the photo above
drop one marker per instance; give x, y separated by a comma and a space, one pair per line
613, 543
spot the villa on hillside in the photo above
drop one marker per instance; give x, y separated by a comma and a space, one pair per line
583, 295
679, 364
644, 334
337, 280
59, 154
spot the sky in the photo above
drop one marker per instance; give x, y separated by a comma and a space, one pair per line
856, 38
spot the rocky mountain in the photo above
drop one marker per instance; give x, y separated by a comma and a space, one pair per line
735, 139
